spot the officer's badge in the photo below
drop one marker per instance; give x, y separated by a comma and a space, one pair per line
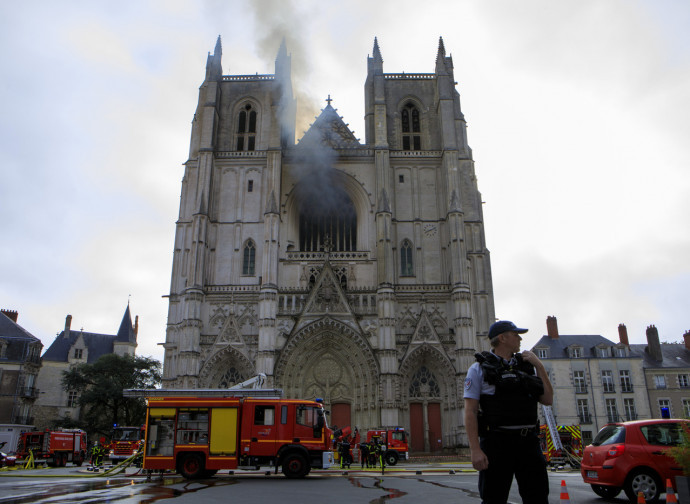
468, 383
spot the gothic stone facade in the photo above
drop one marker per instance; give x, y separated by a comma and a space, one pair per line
353, 272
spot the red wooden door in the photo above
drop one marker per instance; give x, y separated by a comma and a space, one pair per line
435, 433
340, 415
416, 427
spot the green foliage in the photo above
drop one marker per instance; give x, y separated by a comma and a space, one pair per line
681, 452
100, 387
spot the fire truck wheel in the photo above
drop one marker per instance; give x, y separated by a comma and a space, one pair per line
61, 459
191, 466
295, 466
391, 458
80, 459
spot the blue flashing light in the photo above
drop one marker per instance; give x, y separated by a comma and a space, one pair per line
319, 400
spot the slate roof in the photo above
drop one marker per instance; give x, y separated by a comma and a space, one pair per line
674, 355
558, 347
97, 344
17, 338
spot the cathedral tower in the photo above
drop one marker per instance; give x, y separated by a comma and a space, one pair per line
354, 272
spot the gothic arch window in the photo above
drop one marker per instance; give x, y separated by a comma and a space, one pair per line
424, 385
246, 129
410, 127
327, 222
406, 265
231, 377
249, 259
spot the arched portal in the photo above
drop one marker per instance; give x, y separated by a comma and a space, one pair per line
331, 360
430, 393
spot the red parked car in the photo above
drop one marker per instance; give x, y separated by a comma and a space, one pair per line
630, 456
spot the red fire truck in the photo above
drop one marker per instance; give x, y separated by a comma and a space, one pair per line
125, 441
395, 441
200, 435
55, 447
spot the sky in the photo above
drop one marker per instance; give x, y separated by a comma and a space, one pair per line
576, 110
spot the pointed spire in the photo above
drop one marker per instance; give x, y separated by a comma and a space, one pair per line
126, 332
375, 63
218, 51
441, 58
377, 52
282, 50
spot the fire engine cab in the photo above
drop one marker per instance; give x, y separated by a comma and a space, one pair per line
395, 441
201, 431
125, 441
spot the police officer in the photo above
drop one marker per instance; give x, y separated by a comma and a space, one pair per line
502, 390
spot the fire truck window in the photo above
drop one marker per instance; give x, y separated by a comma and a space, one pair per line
160, 438
399, 436
283, 414
192, 426
264, 415
306, 416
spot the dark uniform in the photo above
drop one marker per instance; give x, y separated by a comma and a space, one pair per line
508, 394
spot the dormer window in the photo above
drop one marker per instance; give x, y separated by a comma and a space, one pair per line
576, 352
542, 353
410, 127
78, 353
246, 129
603, 352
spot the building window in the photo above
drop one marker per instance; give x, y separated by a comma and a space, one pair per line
620, 351
326, 223
626, 382
660, 381
250, 186
629, 408
611, 410
78, 352
583, 411
665, 408
246, 129
542, 353
580, 382
406, 268
249, 259
576, 353
72, 399
424, 384
586, 437
411, 138
607, 381
686, 408
401, 179
683, 381
603, 352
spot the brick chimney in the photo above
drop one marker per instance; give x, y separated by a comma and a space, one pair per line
686, 337
653, 345
552, 327
68, 324
11, 314
623, 334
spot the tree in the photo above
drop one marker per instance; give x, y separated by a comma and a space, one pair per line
100, 387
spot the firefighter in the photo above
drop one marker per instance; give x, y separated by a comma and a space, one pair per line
364, 454
502, 391
345, 456
97, 453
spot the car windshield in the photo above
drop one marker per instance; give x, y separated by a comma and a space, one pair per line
610, 434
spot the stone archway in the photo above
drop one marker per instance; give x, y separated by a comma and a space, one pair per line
430, 394
226, 367
331, 360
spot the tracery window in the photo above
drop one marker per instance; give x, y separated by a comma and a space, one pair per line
410, 126
406, 266
249, 259
231, 377
424, 384
327, 222
246, 129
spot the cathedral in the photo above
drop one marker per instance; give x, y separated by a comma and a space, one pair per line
354, 272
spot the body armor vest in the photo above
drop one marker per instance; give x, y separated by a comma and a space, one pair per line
517, 392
